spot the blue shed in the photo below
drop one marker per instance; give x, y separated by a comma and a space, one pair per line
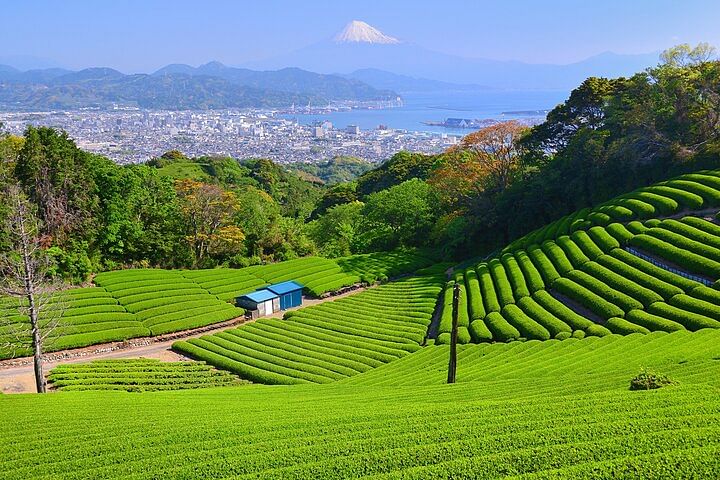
290, 294
259, 303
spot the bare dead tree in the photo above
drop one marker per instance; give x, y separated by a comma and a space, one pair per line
23, 278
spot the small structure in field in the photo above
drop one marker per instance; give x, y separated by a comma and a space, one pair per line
290, 294
270, 299
259, 303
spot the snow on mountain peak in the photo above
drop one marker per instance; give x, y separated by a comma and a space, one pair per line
360, 32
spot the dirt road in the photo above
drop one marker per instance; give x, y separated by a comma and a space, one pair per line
17, 376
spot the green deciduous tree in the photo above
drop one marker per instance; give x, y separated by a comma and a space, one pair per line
401, 215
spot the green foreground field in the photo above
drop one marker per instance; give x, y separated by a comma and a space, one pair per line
524, 417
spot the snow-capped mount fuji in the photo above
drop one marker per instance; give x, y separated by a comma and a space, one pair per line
361, 32
360, 46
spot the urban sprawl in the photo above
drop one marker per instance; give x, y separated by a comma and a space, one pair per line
131, 136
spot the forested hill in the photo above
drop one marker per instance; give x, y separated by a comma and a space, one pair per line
207, 87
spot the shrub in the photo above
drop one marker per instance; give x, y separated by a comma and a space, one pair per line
581, 224
692, 313
663, 205
479, 332
706, 293
702, 224
654, 271
561, 311
664, 289
586, 244
691, 232
596, 330
501, 282
535, 311
617, 212
557, 257
515, 275
487, 289
444, 339
636, 227
687, 199
573, 252
463, 335
623, 327
619, 232
527, 327
621, 299
563, 335
622, 284
501, 330
92, 338
684, 258
548, 231
244, 371
640, 209
578, 334
596, 218
532, 276
588, 298
463, 316
546, 268
710, 196
475, 301
565, 224
603, 239
653, 322
649, 380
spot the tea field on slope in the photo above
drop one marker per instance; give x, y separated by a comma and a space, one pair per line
138, 375
634, 278
693, 357
134, 303
519, 415
327, 342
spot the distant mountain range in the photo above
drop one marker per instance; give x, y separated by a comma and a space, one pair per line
177, 86
361, 47
360, 63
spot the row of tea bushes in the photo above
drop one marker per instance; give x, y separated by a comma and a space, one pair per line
326, 342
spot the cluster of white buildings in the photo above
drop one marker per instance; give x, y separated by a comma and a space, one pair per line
128, 136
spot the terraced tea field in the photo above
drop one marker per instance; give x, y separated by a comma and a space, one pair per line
544, 421
327, 342
143, 302
165, 301
82, 316
687, 193
693, 357
138, 375
634, 278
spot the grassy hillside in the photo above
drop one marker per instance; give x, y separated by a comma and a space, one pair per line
515, 419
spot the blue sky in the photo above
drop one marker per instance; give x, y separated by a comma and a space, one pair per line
142, 35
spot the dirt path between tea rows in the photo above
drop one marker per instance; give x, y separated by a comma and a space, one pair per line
16, 375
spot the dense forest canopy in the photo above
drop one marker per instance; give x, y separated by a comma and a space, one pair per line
608, 137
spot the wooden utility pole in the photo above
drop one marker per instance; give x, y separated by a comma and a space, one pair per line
452, 364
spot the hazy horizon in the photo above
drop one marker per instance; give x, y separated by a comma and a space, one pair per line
140, 37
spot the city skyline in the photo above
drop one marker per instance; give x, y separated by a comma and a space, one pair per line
118, 35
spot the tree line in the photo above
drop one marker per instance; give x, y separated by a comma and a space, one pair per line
609, 136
